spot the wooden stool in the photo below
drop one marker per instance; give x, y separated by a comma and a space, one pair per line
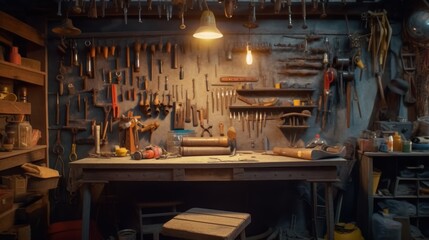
155, 212
207, 224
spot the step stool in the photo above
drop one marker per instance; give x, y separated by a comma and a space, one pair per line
152, 215
204, 224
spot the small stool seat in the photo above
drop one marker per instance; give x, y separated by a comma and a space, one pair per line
207, 224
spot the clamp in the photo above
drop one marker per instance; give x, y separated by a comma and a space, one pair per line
207, 129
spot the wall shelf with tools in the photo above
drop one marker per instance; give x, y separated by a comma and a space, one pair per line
275, 99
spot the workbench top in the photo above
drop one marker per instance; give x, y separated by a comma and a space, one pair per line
247, 159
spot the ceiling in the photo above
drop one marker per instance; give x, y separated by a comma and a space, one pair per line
334, 8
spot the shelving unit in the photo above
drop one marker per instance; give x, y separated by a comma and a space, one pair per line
35, 82
274, 92
31, 42
390, 165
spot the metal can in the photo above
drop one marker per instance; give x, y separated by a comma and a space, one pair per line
407, 146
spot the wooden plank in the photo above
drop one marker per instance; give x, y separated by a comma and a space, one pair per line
201, 223
196, 230
6, 38
229, 214
238, 79
18, 157
18, 72
9, 107
21, 29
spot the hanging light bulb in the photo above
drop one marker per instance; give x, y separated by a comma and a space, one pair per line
250, 24
249, 57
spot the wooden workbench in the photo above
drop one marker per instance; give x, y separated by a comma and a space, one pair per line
242, 167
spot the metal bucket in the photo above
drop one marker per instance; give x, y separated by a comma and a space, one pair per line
127, 234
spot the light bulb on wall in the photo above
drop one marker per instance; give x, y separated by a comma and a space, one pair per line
249, 57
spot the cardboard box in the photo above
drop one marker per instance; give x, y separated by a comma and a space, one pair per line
17, 183
6, 200
7, 220
17, 232
42, 184
31, 63
35, 215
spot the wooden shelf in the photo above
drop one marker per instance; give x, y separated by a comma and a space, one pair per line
292, 127
25, 74
15, 26
282, 108
273, 91
18, 157
9, 107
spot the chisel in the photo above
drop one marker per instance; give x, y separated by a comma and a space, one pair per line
187, 108
193, 88
194, 115
206, 112
207, 82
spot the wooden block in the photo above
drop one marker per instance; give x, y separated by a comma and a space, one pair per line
31, 63
208, 224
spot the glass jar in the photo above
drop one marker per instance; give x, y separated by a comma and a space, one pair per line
23, 132
174, 139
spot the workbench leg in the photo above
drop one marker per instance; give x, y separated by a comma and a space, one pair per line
314, 208
86, 211
329, 204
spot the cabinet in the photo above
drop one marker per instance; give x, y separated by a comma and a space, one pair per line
31, 42
396, 169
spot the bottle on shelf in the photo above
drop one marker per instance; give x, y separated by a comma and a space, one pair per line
316, 141
397, 142
14, 56
389, 143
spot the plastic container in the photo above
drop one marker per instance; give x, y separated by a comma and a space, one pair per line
23, 134
316, 141
174, 139
384, 227
397, 142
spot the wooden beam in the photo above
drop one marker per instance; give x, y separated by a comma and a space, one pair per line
21, 29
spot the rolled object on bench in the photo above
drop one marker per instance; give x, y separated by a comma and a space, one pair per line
311, 153
203, 151
205, 141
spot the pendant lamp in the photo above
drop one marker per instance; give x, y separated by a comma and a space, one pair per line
207, 29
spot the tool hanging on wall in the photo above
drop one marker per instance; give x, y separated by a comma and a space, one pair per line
289, 10
304, 14
324, 6
329, 77
92, 13
137, 49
